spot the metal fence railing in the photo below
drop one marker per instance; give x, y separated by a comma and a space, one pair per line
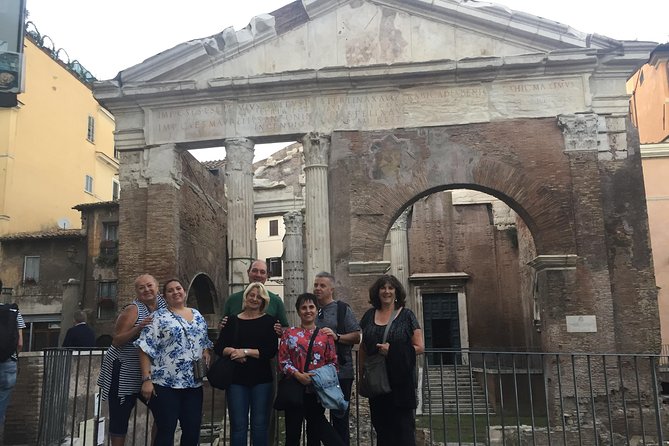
465, 397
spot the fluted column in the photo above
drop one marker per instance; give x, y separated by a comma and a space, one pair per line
399, 250
241, 221
293, 263
316, 156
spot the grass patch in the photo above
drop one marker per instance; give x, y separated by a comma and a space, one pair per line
471, 428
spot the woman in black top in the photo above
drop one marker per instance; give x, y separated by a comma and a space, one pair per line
393, 414
249, 339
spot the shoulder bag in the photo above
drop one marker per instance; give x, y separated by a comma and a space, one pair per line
290, 392
374, 380
222, 370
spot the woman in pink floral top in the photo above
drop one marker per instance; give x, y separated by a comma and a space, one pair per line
292, 358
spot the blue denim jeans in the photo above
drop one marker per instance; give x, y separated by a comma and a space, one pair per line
240, 400
7, 383
170, 405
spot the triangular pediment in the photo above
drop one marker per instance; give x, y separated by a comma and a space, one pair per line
319, 34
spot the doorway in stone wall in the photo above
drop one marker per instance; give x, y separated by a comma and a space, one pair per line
442, 326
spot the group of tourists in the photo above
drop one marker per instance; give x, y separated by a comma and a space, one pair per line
161, 352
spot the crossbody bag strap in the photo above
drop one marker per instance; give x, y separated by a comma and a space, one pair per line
387, 330
311, 346
190, 343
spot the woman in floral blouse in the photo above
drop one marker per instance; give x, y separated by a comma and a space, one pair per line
292, 359
169, 347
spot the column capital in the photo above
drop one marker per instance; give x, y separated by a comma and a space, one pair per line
293, 222
580, 131
316, 149
239, 153
401, 222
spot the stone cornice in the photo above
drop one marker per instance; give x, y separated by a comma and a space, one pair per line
587, 61
554, 262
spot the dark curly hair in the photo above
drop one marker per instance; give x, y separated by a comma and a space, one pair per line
400, 293
305, 297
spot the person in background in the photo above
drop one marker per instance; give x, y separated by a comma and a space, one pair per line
173, 354
393, 414
11, 327
249, 340
120, 376
81, 334
293, 350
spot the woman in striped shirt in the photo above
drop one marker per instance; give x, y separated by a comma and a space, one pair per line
120, 376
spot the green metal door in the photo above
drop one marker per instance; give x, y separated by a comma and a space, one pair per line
442, 326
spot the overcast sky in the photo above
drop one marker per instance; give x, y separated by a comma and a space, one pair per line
107, 36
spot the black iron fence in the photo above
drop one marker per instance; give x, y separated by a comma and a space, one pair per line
465, 397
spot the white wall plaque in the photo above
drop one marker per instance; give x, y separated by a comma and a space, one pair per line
581, 324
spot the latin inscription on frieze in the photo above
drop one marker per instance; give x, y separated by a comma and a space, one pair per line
415, 107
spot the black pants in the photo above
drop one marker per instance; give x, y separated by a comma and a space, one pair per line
394, 426
318, 428
340, 421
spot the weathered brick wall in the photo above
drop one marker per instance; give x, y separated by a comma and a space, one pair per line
22, 417
203, 228
572, 202
171, 231
374, 175
61, 259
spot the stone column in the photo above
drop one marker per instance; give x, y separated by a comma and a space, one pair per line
399, 250
293, 263
241, 221
316, 156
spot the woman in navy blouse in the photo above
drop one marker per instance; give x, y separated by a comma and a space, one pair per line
292, 359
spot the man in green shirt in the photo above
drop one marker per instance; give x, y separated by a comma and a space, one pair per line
257, 272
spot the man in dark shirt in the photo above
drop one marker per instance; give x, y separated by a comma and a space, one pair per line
346, 333
81, 335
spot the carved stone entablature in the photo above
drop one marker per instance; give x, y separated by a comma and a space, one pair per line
580, 131
239, 154
293, 221
316, 149
554, 262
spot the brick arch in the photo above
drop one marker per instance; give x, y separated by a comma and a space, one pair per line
521, 162
202, 294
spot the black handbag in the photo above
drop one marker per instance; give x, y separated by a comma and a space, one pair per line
290, 392
220, 373
222, 370
374, 381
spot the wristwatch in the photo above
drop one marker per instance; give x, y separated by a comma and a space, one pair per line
146, 378
246, 352
338, 336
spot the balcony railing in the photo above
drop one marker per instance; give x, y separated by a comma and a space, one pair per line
472, 397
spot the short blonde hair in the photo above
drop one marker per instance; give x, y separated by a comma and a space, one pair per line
262, 292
